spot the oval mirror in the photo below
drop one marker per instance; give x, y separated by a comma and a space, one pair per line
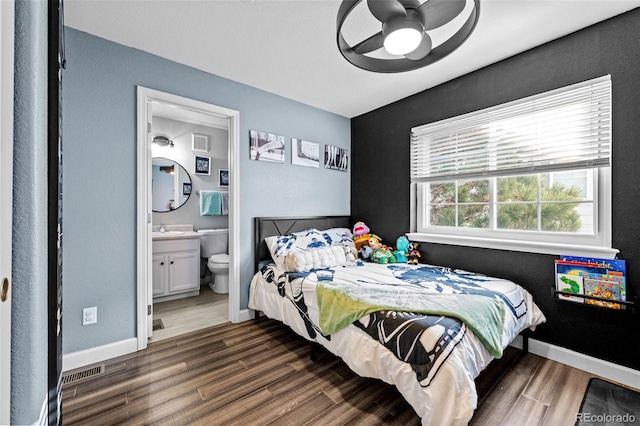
171, 185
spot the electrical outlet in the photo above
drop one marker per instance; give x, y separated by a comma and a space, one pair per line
90, 315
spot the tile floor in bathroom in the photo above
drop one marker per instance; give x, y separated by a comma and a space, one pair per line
189, 314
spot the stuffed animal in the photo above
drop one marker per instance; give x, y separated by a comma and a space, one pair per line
374, 241
360, 234
383, 255
365, 252
350, 253
402, 249
413, 253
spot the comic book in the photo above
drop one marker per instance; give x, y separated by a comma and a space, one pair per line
604, 278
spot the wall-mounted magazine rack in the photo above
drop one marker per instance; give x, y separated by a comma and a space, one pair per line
625, 306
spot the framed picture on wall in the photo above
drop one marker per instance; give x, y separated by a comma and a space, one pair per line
305, 153
336, 158
186, 188
203, 165
266, 146
223, 177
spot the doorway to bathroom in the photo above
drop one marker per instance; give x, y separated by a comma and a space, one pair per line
182, 131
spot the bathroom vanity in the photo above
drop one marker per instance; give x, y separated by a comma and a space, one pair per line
176, 265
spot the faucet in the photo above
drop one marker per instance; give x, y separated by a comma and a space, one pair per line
163, 228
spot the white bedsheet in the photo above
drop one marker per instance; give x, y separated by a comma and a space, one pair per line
450, 396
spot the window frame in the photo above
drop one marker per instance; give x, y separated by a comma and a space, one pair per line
556, 243
597, 245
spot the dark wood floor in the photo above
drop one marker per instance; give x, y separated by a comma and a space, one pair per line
259, 372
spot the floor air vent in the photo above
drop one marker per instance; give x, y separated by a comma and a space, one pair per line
82, 374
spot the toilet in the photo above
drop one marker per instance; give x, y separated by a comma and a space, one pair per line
213, 247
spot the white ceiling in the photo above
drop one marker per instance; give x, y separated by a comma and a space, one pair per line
288, 47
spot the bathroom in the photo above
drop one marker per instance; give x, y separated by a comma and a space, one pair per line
190, 154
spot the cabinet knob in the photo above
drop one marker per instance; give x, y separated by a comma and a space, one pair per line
172, 262
161, 263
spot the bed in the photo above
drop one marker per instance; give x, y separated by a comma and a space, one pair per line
426, 329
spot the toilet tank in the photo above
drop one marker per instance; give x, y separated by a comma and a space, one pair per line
213, 241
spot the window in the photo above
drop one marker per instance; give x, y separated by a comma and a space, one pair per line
529, 175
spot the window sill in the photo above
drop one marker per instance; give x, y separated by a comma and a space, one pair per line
517, 245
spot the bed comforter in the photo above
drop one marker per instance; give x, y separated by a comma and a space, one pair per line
428, 330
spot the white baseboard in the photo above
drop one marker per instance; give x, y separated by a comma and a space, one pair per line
79, 359
608, 370
246, 315
605, 369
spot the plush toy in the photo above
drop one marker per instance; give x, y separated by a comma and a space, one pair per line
383, 255
413, 253
402, 249
374, 242
365, 252
360, 234
350, 253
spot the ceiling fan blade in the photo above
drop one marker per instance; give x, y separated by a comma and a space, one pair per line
436, 13
422, 50
383, 10
374, 42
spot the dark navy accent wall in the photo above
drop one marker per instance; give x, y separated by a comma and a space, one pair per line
380, 182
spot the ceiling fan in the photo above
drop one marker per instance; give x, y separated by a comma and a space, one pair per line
405, 32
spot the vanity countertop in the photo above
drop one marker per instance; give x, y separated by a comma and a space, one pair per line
174, 235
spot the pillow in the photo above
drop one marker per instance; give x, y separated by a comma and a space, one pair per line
303, 260
280, 245
339, 236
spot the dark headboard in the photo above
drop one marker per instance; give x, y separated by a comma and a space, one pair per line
269, 226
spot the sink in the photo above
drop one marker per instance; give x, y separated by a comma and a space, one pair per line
157, 233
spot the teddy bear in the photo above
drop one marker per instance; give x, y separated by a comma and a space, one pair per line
402, 249
413, 253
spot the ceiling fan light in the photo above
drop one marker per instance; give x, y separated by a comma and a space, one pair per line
402, 36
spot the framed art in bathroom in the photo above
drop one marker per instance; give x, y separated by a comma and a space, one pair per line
223, 177
199, 142
186, 188
203, 165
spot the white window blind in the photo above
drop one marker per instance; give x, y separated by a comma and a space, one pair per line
567, 128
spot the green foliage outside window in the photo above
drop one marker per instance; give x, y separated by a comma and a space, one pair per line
516, 204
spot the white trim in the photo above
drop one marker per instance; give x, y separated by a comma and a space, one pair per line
43, 420
85, 357
143, 221
605, 369
7, 24
516, 245
146, 95
234, 217
246, 315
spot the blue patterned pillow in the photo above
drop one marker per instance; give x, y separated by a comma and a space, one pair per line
280, 245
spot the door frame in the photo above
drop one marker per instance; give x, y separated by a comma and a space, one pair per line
143, 208
7, 24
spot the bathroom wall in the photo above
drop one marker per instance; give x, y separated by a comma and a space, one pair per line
181, 152
99, 180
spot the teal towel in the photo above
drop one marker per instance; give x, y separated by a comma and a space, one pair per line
210, 203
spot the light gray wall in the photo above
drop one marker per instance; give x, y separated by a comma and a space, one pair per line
99, 127
29, 390
189, 213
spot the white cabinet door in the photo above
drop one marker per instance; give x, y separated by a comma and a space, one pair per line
159, 268
183, 272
